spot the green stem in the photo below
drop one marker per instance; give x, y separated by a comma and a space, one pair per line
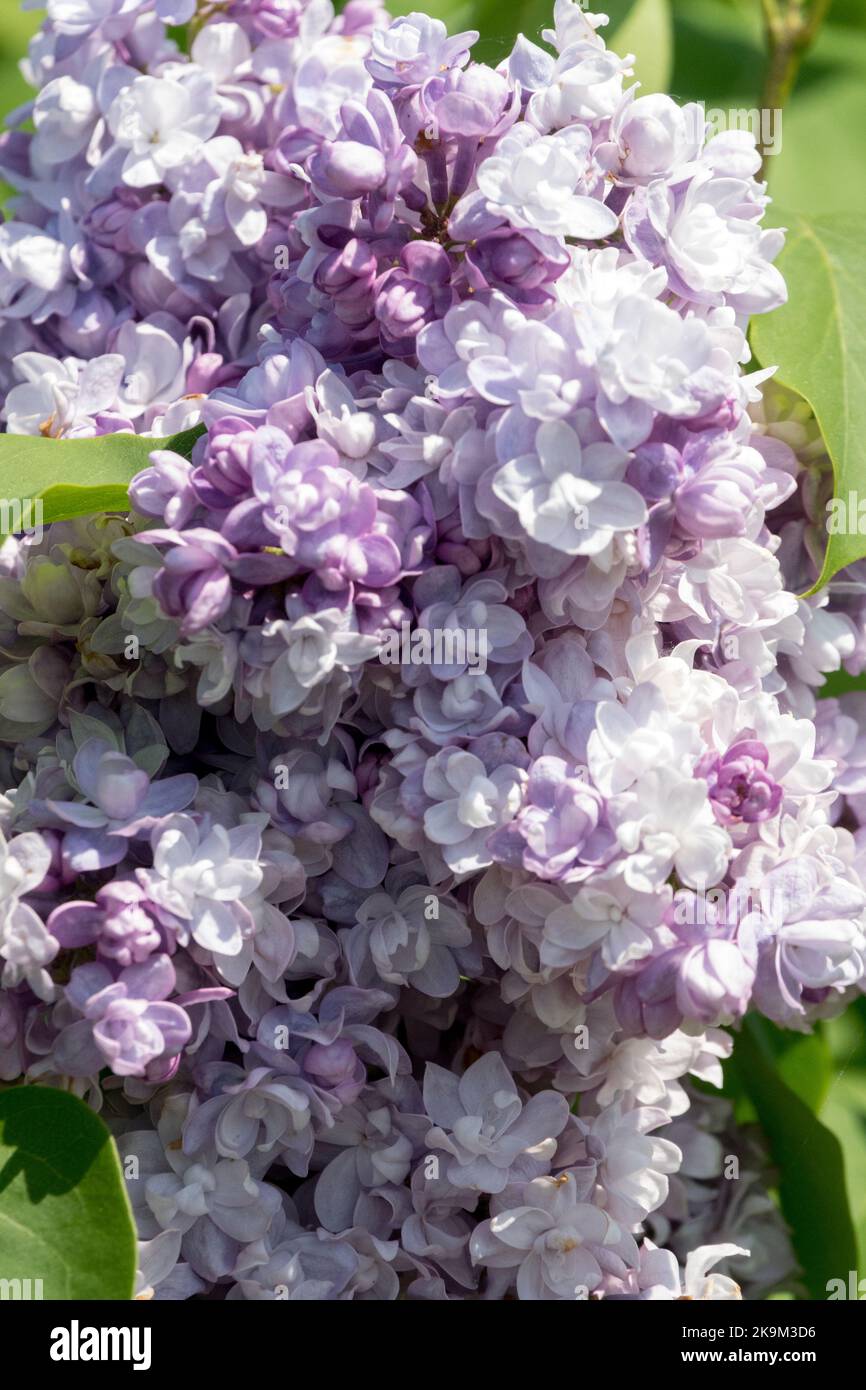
790, 30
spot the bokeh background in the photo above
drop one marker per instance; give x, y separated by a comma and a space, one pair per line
714, 51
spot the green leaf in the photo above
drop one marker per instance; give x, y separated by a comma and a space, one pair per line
840, 683
648, 33
64, 1214
818, 342
845, 1114
845, 1109
812, 1179
803, 1060
73, 477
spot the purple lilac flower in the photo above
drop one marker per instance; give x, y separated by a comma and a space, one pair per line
121, 802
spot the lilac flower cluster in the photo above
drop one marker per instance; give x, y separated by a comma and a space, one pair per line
392, 973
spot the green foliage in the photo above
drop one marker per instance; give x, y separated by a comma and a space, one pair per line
64, 1214
33, 468
845, 1109
647, 32
15, 33
813, 1191
824, 129
818, 342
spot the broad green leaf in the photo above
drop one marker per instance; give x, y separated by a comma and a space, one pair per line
818, 342
845, 1108
840, 683
648, 33
73, 477
812, 1178
803, 1060
845, 1114
64, 1214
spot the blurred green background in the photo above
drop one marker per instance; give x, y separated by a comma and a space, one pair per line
15, 31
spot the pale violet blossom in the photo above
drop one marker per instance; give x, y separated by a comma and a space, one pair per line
654, 360
202, 875
568, 496
480, 1122
557, 1241
61, 398
416, 46
539, 181
468, 805
36, 276
665, 822
162, 123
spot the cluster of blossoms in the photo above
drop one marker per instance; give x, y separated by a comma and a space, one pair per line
393, 976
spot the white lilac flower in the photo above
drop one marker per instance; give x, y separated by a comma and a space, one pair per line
468, 803
808, 921
569, 497
329, 74
661, 1278
313, 650
155, 359
65, 117
715, 253
416, 46
654, 360
27, 948
540, 182
651, 137
583, 83
632, 1166
255, 1114
217, 1208
203, 877
237, 196
162, 122
665, 822
607, 913
36, 276
81, 17
60, 399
